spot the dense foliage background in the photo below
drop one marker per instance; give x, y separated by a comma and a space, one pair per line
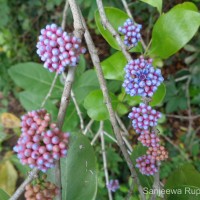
23, 87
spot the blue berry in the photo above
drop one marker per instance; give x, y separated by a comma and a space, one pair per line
143, 117
141, 78
131, 32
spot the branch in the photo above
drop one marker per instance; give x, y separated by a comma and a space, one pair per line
183, 117
50, 91
78, 110
88, 126
65, 99
32, 175
156, 184
121, 124
114, 33
96, 63
104, 159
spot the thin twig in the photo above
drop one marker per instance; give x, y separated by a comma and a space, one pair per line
183, 117
95, 138
130, 15
156, 185
108, 26
64, 17
127, 8
78, 110
32, 175
121, 124
130, 192
50, 91
104, 159
76, 106
88, 126
109, 136
65, 99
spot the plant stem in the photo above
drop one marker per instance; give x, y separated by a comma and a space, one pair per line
104, 159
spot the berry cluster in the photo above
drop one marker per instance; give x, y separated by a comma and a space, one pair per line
143, 117
113, 185
158, 153
149, 139
57, 49
41, 142
45, 191
147, 165
131, 32
141, 78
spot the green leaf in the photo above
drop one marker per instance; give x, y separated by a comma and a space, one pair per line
32, 101
158, 95
122, 109
34, 77
95, 106
71, 119
155, 3
3, 195
116, 17
157, 98
113, 66
24, 169
185, 175
86, 83
78, 169
174, 29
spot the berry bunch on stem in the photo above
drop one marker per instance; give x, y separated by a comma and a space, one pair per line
43, 190
41, 142
58, 49
142, 79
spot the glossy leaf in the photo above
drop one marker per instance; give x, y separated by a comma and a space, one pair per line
117, 18
71, 119
174, 29
34, 77
158, 95
113, 66
3, 195
86, 83
32, 101
156, 99
78, 169
95, 105
155, 3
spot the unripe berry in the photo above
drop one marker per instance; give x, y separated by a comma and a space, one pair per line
131, 32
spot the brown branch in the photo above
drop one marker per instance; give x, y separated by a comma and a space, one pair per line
96, 62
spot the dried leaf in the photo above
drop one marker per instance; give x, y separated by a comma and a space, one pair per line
8, 176
9, 120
